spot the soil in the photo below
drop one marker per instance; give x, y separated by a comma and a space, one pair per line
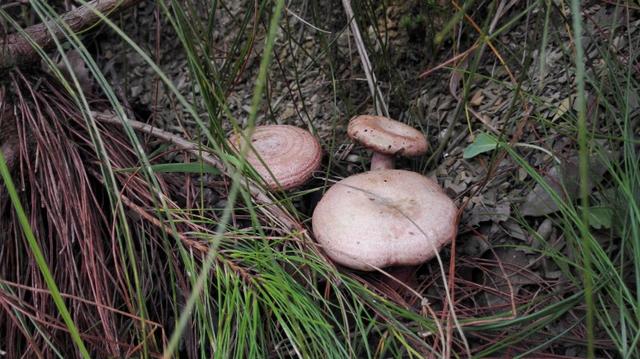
306, 91
303, 93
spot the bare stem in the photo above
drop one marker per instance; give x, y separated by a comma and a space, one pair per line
275, 212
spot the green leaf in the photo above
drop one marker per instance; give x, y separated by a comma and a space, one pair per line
484, 143
194, 167
600, 217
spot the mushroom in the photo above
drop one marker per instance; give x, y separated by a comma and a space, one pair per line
289, 155
386, 138
384, 218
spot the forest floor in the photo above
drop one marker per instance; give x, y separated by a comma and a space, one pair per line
494, 92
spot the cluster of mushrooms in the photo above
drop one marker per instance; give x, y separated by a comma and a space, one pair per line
380, 218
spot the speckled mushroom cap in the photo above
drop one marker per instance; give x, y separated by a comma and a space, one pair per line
291, 153
384, 218
387, 136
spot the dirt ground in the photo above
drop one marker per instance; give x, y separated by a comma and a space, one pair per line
322, 91
302, 94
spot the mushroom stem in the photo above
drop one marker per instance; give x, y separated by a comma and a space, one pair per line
380, 161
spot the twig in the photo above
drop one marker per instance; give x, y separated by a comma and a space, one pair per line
381, 106
256, 192
457, 57
16, 49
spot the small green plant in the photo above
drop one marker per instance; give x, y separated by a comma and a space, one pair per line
415, 26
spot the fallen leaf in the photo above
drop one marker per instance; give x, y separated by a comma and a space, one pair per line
600, 217
515, 275
563, 107
79, 68
564, 180
500, 213
477, 98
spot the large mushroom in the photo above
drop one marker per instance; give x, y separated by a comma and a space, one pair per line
384, 218
284, 156
386, 138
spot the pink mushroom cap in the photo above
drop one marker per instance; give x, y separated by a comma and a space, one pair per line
387, 136
290, 155
384, 218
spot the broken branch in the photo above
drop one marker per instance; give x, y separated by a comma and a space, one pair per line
257, 193
17, 49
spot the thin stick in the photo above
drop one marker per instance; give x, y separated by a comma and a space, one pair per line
16, 49
381, 106
256, 192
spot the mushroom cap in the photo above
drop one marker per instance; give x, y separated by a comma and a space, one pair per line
384, 218
384, 135
291, 154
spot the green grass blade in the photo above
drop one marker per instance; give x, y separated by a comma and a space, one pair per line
584, 174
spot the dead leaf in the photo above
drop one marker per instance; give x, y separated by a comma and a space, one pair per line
475, 246
564, 180
512, 278
477, 98
481, 213
563, 107
79, 68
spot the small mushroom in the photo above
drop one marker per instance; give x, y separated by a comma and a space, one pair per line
386, 138
384, 218
290, 155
